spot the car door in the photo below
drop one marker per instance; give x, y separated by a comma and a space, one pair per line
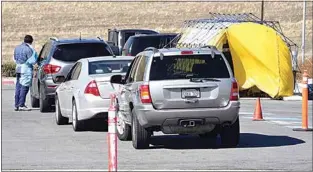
67, 92
125, 89
130, 80
34, 91
75, 83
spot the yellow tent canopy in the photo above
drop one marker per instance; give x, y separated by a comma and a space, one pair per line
260, 58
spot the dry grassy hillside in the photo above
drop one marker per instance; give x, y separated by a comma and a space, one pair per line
68, 19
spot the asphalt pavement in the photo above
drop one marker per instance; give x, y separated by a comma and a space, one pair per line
33, 141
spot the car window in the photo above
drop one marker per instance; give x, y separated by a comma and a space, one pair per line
132, 71
140, 71
127, 46
45, 51
69, 75
141, 43
108, 66
76, 72
188, 66
75, 52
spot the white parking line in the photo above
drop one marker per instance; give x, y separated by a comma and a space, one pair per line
136, 170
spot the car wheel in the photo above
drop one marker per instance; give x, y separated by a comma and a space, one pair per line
60, 120
43, 103
77, 124
230, 135
123, 130
140, 136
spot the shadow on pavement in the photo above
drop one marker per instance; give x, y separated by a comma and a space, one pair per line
250, 140
247, 140
96, 125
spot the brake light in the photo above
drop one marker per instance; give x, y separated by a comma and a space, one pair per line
234, 94
186, 52
92, 88
145, 94
51, 69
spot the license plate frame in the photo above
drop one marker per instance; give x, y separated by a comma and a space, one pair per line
190, 93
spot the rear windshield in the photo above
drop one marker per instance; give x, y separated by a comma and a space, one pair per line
108, 66
141, 43
188, 66
74, 52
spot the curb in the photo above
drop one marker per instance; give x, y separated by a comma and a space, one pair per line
8, 81
293, 98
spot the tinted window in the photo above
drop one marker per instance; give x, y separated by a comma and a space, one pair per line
141, 43
188, 66
133, 70
74, 52
108, 66
128, 34
127, 46
140, 71
76, 72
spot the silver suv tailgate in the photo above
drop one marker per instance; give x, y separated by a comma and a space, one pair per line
193, 81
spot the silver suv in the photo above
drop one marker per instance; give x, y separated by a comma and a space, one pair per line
178, 91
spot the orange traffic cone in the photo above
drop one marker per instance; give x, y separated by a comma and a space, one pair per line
258, 111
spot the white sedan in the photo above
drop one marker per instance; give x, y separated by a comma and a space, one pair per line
85, 92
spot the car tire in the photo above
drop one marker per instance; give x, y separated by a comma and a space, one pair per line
124, 132
43, 103
230, 135
34, 102
77, 124
140, 136
60, 120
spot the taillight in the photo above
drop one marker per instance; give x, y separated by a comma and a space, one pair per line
51, 69
145, 94
92, 88
234, 94
186, 52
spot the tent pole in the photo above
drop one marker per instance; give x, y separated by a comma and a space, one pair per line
303, 31
262, 11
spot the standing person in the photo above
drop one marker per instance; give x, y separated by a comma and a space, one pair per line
21, 54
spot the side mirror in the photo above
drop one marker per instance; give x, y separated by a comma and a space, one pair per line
116, 79
59, 79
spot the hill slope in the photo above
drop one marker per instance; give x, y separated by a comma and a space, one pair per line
68, 19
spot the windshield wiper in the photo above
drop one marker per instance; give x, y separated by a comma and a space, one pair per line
204, 80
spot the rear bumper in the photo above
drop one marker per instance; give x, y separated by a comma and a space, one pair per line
149, 117
93, 107
50, 87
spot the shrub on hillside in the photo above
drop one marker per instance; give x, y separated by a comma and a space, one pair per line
8, 69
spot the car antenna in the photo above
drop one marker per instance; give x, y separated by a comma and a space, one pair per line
80, 35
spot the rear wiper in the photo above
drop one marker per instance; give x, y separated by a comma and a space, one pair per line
204, 80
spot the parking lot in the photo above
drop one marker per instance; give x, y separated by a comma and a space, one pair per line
33, 141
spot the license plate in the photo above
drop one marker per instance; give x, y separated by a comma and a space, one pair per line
190, 93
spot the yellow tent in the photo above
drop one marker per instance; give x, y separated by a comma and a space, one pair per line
260, 58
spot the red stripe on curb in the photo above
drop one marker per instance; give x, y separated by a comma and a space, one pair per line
8, 82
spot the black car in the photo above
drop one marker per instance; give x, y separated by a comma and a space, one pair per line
138, 43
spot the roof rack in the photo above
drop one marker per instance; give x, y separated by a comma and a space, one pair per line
54, 38
100, 38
